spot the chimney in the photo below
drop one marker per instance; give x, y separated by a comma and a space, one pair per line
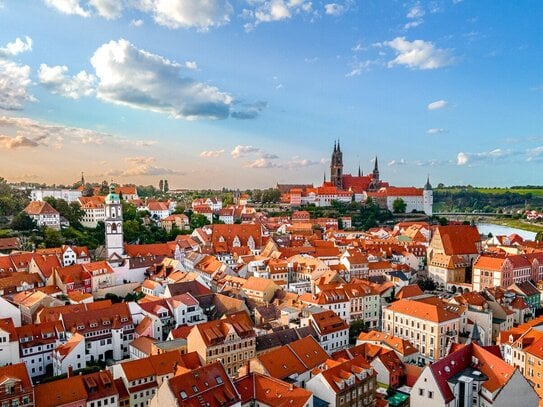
70, 372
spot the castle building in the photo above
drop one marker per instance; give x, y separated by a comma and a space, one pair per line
114, 225
347, 188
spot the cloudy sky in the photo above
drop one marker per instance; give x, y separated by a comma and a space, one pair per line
247, 93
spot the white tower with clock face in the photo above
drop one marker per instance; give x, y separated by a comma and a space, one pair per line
114, 225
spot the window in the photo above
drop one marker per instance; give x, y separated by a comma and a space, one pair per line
430, 394
421, 392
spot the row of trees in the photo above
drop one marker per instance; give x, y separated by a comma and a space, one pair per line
469, 199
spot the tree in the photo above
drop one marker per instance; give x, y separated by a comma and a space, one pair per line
88, 191
539, 236
161, 185
197, 220
399, 206
131, 230
356, 327
104, 188
23, 222
166, 187
71, 212
52, 238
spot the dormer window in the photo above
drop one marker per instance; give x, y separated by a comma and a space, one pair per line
80, 327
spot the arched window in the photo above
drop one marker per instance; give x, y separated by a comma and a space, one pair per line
113, 228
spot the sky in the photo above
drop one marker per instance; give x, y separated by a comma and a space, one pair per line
249, 93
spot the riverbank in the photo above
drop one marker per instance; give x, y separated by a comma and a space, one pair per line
517, 223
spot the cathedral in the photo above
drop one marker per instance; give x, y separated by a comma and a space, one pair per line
358, 188
370, 183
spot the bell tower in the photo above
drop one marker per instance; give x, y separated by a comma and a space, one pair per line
336, 166
114, 224
375, 182
428, 198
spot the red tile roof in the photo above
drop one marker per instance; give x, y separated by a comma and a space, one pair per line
60, 392
40, 208
208, 385
270, 391
425, 310
459, 239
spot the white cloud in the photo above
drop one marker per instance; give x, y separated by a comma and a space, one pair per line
394, 163
191, 65
435, 131
11, 143
359, 47
242, 151
136, 23
54, 79
200, 14
358, 67
415, 12
486, 156
211, 153
462, 158
412, 24
260, 163
144, 166
109, 9
47, 135
418, 54
139, 79
534, 153
438, 104
274, 10
293, 164
334, 9
68, 7
14, 82
14, 77
16, 47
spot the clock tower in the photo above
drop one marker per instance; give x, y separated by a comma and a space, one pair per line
114, 224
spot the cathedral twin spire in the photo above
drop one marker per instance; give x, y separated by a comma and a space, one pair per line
336, 170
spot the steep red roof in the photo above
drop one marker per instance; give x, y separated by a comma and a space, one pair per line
208, 385
40, 208
270, 391
459, 239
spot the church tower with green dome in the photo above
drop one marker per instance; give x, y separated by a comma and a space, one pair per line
114, 225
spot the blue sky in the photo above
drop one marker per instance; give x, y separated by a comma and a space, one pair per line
247, 93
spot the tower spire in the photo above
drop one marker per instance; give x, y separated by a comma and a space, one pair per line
428, 186
324, 177
335, 146
82, 179
376, 166
338, 148
359, 171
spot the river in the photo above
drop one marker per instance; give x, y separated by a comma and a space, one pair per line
497, 230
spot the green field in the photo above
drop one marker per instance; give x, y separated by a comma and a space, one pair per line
536, 192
